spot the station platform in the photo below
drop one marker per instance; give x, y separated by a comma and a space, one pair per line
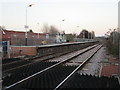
110, 67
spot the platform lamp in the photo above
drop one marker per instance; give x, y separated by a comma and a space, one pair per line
26, 26
61, 23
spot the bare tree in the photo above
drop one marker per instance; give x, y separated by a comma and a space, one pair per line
45, 28
53, 30
2, 27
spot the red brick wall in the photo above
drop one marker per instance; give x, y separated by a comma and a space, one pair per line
22, 50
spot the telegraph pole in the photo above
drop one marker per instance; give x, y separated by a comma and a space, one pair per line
119, 34
1, 56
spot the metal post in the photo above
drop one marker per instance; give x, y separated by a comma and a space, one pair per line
26, 28
8, 50
61, 24
114, 37
119, 34
119, 55
38, 30
1, 56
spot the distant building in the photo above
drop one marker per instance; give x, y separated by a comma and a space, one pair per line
92, 35
70, 37
60, 37
18, 37
86, 34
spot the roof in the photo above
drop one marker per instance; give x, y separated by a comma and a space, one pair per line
18, 32
8, 34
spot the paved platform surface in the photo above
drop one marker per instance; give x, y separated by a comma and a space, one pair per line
110, 67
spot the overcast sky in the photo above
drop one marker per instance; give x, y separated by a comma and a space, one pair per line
93, 15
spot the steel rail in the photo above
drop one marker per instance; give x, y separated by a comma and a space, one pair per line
13, 62
25, 60
63, 61
30, 63
49, 54
79, 67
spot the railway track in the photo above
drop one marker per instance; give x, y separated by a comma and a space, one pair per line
16, 67
16, 63
54, 68
35, 67
76, 69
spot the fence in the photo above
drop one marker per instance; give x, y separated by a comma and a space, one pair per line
31, 41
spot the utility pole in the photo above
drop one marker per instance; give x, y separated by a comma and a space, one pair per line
114, 37
119, 53
1, 55
119, 35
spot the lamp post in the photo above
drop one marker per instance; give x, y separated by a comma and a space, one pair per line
60, 35
38, 30
26, 26
61, 23
77, 27
77, 34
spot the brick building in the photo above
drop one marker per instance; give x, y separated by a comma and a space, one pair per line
18, 37
17, 41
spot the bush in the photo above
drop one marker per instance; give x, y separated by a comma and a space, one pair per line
113, 48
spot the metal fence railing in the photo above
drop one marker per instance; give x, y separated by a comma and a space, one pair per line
31, 41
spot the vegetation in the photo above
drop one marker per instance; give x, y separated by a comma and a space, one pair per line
112, 43
51, 30
2, 27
